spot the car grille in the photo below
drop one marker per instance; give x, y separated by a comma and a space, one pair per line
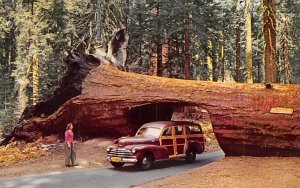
119, 153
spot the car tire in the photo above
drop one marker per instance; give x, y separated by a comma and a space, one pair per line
146, 162
190, 156
117, 165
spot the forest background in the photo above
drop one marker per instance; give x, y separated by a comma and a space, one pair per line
249, 41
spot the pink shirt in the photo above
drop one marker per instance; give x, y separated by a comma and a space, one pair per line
69, 136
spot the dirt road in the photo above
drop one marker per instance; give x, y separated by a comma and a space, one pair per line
109, 177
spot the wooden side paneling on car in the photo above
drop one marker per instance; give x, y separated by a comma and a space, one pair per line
171, 150
167, 141
177, 137
194, 133
180, 141
180, 149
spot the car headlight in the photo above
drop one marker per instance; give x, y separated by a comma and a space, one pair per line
133, 150
107, 149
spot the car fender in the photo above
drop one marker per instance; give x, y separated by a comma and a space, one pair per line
199, 146
158, 152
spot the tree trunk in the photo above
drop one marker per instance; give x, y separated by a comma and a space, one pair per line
171, 52
287, 75
127, 13
259, 65
35, 68
249, 64
238, 55
113, 102
237, 44
215, 61
159, 44
159, 59
187, 51
35, 79
210, 60
153, 62
269, 30
22, 96
98, 23
223, 54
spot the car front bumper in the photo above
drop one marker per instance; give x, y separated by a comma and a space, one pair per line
122, 159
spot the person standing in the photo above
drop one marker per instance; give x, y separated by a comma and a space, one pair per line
70, 155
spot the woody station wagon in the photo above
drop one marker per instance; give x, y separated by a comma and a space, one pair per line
158, 141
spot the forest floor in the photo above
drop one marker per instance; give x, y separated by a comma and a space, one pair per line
228, 172
18, 160
90, 154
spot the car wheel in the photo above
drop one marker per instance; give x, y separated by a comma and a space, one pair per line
190, 156
117, 165
146, 163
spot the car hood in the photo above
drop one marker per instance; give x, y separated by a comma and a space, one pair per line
125, 141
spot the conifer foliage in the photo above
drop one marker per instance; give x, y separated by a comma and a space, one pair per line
215, 40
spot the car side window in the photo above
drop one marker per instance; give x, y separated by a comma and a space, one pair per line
167, 132
178, 130
195, 129
141, 132
187, 130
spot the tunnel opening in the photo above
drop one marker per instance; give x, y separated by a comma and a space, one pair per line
176, 112
152, 112
200, 116
140, 115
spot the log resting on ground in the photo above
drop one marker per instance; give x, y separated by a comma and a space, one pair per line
114, 102
101, 100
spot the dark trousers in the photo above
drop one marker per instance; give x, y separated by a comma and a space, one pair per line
70, 155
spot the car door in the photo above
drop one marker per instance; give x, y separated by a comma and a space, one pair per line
194, 133
167, 140
179, 145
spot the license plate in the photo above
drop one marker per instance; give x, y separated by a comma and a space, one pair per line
116, 159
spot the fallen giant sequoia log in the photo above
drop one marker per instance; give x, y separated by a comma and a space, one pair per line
117, 101
248, 119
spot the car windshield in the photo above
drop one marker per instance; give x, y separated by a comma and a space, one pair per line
149, 132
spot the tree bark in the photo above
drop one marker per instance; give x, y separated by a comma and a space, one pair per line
237, 44
210, 60
113, 102
187, 51
159, 65
98, 23
287, 75
269, 30
35, 79
171, 53
223, 54
249, 64
238, 54
187, 43
159, 43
